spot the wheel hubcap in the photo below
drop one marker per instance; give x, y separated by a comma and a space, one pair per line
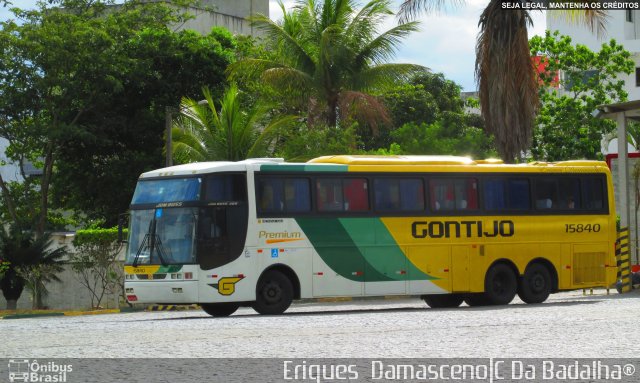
537, 283
272, 292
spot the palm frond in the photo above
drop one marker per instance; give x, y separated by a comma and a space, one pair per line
289, 80
270, 133
594, 19
365, 24
297, 55
385, 46
383, 76
364, 107
410, 9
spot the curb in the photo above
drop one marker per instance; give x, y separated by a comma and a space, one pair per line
95, 312
59, 314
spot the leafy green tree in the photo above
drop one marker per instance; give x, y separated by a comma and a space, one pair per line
302, 144
91, 82
33, 262
330, 59
566, 127
506, 77
454, 138
4, 266
424, 99
208, 133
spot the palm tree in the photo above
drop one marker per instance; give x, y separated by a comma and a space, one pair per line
202, 133
29, 257
505, 73
330, 58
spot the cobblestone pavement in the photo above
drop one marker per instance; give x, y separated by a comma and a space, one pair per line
568, 325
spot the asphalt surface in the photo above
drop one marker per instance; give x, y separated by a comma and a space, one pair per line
568, 325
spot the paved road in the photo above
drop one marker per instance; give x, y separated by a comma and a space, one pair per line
568, 325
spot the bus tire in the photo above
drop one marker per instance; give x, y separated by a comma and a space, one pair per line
536, 284
219, 309
500, 284
274, 293
438, 301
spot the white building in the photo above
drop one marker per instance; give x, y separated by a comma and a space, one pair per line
623, 26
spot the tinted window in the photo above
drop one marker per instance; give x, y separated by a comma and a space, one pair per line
454, 194
283, 195
342, 194
167, 190
569, 193
397, 194
226, 187
546, 195
559, 193
593, 194
519, 195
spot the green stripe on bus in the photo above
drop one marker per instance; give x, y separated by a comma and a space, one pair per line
304, 168
381, 251
338, 250
169, 269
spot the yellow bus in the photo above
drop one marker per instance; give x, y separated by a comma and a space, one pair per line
264, 232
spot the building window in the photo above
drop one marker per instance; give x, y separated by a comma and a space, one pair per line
637, 76
629, 15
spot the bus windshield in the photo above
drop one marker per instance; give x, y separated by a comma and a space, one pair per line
162, 236
167, 190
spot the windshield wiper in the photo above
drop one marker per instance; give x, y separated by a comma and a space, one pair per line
152, 242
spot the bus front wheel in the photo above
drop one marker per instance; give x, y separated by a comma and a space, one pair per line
535, 284
274, 293
219, 309
500, 284
441, 301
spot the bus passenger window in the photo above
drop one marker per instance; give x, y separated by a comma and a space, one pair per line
330, 194
593, 193
494, 194
397, 194
568, 193
297, 195
454, 194
546, 194
270, 198
356, 196
349, 194
226, 187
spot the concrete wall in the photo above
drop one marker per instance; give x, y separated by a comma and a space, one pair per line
69, 294
231, 14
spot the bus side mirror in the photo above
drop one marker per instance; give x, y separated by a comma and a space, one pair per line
122, 219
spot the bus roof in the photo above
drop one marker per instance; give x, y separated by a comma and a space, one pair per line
362, 163
443, 160
209, 167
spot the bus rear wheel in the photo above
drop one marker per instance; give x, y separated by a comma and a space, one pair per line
500, 284
443, 300
274, 293
535, 284
219, 309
